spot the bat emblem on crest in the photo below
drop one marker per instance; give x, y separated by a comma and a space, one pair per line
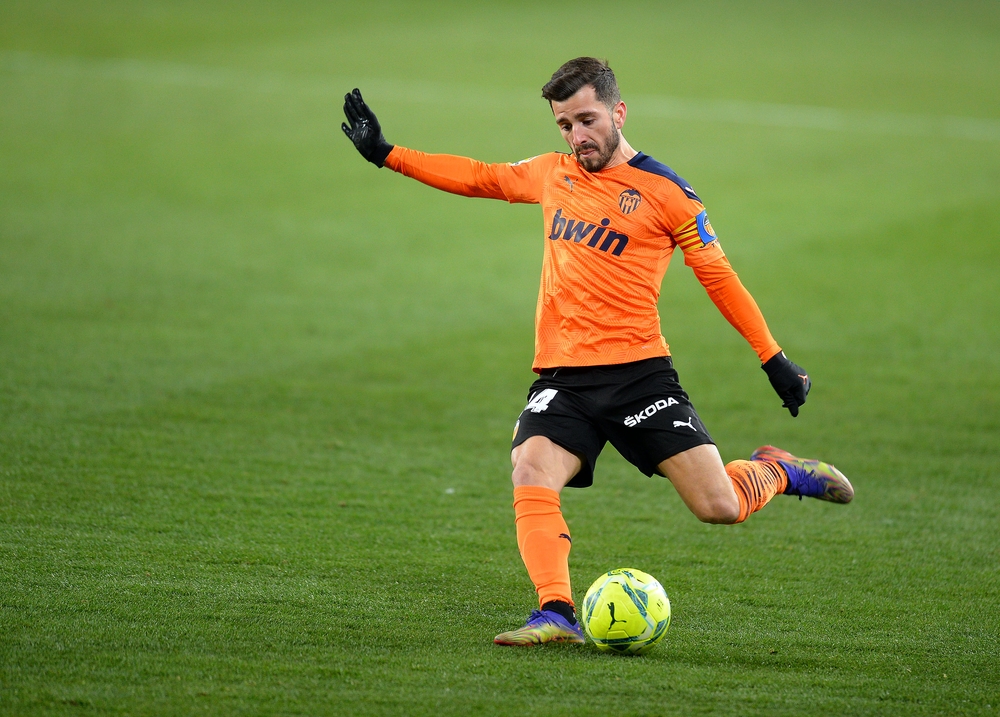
629, 200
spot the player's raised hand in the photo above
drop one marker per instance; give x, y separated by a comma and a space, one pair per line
363, 129
790, 381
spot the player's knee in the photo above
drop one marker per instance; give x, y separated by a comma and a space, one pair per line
720, 511
539, 462
527, 473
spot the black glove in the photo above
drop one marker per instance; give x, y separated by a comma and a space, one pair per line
790, 381
365, 131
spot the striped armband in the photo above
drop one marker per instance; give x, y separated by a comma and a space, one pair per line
695, 233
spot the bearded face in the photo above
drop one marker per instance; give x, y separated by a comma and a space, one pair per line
594, 154
591, 128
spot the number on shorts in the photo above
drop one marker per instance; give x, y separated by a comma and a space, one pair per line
540, 401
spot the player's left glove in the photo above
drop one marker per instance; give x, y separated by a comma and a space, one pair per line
364, 130
790, 381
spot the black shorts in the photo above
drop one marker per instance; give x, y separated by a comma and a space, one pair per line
640, 407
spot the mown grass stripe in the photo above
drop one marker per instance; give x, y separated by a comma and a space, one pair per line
762, 114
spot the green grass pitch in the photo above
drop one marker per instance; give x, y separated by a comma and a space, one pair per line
256, 396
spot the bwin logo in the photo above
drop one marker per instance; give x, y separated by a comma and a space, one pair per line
632, 421
576, 231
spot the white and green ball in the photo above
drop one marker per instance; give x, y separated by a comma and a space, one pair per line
626, 611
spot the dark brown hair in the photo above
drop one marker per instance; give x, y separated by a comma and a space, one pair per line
575, 74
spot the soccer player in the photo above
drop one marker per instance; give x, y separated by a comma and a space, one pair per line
613, 218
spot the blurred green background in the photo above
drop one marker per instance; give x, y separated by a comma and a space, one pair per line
256, 395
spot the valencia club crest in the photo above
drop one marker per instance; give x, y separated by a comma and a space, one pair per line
629, 200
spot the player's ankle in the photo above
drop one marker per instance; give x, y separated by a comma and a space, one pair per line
561, 608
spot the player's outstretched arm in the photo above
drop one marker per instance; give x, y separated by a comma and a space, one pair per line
364, 129
458, 175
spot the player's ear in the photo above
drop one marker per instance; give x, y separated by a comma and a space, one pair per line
618, 115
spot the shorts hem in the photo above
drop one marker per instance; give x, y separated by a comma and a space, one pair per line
701, 441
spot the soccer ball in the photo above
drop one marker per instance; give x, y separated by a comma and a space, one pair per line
626, 611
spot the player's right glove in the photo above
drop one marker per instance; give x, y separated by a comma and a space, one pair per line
364, 130
790, 381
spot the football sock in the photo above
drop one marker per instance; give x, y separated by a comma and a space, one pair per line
561, 608
756, 482
544, 542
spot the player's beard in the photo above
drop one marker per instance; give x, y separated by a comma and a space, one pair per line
595, 163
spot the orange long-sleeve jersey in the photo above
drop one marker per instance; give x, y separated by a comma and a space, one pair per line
609, 237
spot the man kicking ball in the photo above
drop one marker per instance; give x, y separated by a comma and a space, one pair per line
613, 218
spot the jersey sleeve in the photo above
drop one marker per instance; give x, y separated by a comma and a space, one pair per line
733, 300
522, 181
518, 182
697, 239
688, 224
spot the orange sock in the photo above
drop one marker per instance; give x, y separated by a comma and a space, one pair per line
544, 542
756, 482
